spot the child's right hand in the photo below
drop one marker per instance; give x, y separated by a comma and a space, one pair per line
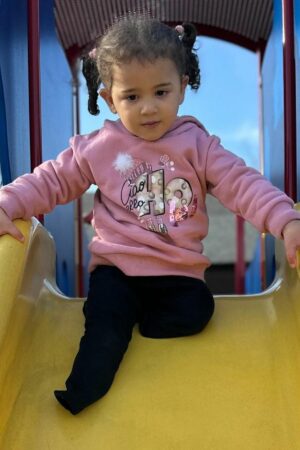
8, 227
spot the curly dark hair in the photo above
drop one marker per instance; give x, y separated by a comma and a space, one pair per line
143, 39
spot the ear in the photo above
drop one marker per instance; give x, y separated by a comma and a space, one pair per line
184, 83
106, 95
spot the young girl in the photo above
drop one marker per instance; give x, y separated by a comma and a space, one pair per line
153, 170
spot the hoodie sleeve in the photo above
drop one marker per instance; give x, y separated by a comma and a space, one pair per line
54, 182
244, 191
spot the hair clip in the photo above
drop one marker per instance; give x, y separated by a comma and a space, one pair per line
180, 31
93, 53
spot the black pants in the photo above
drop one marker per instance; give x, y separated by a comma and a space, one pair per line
164, 307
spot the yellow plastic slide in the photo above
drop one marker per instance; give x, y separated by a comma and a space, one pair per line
236, 386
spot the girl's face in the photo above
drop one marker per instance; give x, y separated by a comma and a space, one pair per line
146, 96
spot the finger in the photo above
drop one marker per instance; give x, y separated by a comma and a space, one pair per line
15, 233
291, 257
292, 263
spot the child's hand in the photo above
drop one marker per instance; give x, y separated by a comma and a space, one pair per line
291, 236
8, 227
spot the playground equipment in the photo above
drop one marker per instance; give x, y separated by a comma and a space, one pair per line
236, 386
233, 386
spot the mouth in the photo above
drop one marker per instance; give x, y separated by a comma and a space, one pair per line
151, 124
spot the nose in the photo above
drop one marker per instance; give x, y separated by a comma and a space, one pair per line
149, 106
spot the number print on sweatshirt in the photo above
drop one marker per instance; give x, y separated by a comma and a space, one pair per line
144, 193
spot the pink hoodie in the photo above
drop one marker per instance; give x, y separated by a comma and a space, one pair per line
149, 213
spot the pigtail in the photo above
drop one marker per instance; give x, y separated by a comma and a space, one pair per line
188, 39
91, 74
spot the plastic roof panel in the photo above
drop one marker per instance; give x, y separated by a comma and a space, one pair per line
79, 22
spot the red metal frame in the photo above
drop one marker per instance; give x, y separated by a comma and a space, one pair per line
240, 265
289, 78
262, 262
35, 127
34, 83
78, 209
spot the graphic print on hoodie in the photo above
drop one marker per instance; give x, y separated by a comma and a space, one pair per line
157, 204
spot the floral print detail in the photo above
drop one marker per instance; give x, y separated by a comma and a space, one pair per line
164, 160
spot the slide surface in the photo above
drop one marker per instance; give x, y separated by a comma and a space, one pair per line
236, 386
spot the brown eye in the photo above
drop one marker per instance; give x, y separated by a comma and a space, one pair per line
131, 98
161, 93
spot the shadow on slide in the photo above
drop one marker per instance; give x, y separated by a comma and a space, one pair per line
235, 386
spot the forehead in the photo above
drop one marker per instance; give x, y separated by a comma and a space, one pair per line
136, 73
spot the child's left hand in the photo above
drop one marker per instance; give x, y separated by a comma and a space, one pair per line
291, 236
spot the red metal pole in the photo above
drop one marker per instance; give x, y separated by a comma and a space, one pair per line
78, 207
263, 278
290, 156
239, 270
34, 85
